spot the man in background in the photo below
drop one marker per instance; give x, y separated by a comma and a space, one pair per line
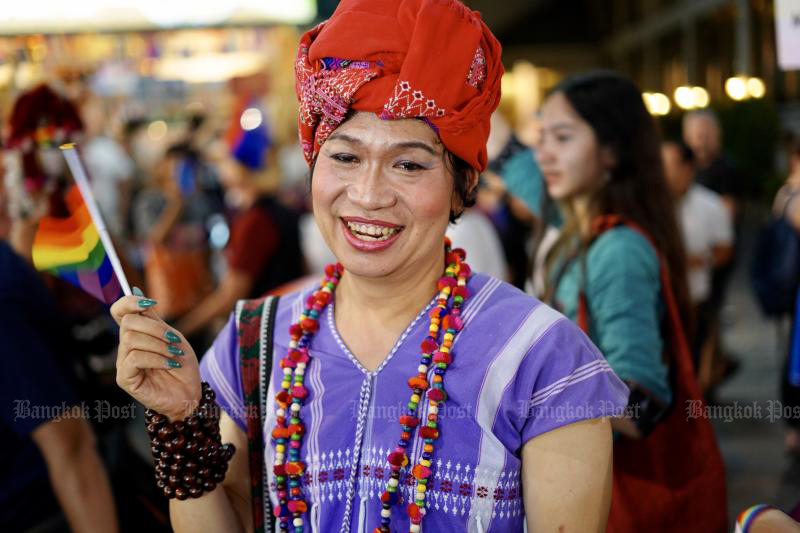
708, 237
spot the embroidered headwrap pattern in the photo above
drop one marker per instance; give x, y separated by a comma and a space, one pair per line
434, 60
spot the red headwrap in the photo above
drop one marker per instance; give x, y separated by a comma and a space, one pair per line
429, 59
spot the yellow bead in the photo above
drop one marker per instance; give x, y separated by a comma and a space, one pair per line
445, 349
280, 448
425, 462
415, 398
448, 336
285, 384
421, 488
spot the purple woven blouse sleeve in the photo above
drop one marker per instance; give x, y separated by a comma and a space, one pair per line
220, 368
564, 379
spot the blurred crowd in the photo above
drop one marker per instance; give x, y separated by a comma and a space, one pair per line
205, 211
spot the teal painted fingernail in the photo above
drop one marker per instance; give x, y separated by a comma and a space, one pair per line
144, 302
172, 363
171, 337
137, 291
174, 350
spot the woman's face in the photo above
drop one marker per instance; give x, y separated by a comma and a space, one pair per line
568, 153
382, 195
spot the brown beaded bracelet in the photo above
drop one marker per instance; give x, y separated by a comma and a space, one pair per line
190, 457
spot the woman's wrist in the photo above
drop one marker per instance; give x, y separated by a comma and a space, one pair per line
190, 458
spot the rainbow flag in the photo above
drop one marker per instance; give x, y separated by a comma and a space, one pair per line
71, 249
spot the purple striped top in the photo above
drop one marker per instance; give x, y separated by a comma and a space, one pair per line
519, 369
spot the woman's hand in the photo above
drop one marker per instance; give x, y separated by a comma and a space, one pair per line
155, 364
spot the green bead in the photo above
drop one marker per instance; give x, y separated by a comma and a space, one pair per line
431, 424
295, 437
294, 420
458, 299
391, 489
412, 406
441, 365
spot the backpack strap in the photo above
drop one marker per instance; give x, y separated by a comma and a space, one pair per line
255, 321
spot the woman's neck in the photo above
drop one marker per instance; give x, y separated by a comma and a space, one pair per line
584, 213
392, 301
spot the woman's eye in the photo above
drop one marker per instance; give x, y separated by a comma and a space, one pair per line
409, 166
344, 158
562, 138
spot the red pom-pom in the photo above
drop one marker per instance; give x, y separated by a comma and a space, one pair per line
299, 391
297, 506
309, 325
295, 331
436, 395
421, 472
460, 252
310, 301
295, 468
413, 511
445, 281
297, 429
442, 357
429, 345
464, 271
280, 433
409, 421
323, 298
461, 291
330, 270
279, 470
283, 398
426, 432
396, 458
417, 383
299, 356
452, 258
287, 363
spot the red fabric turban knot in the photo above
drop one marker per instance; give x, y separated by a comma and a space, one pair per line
434, 60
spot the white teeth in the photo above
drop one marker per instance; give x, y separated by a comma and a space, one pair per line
369, 232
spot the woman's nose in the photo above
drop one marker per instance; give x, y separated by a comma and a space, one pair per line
371, 190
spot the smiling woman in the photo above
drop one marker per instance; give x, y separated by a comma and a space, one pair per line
393, 122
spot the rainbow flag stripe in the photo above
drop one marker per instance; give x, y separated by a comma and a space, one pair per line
71, 249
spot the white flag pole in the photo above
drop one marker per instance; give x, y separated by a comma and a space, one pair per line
78, 172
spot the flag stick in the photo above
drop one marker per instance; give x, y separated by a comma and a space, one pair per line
76, 167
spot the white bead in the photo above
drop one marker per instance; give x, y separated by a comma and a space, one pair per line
287, 371
422, 369
392, 482
414, 528
279, 458
300, 372
432, 410
386, 513
292, 344
420, 495
297, 522
301, 365
278, 463
280, 412
295, 407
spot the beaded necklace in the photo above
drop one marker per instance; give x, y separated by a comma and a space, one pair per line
288, 468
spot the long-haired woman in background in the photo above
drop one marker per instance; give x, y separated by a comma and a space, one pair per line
618, 269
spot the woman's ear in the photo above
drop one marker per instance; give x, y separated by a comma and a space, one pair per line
608, 157
473, 181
